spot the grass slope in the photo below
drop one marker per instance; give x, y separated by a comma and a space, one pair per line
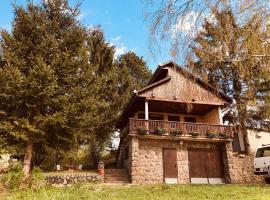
147, 192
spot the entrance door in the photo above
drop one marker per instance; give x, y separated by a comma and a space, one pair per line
205, 166
170, 165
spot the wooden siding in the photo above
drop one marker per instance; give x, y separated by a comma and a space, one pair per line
184, 89
211, 117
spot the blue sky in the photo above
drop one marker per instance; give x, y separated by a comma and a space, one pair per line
121, 20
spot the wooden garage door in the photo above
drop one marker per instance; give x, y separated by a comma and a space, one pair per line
170, 165
205, 165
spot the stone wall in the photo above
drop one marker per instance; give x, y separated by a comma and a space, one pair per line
145, 165
147, 161
240, 167
74, 178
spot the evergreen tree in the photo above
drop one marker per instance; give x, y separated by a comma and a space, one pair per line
134, 74
41, 61
235, 59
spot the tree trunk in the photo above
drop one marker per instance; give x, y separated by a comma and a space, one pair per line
245, 138
27, 159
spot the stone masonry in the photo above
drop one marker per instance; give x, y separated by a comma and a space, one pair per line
145, 162
240, 167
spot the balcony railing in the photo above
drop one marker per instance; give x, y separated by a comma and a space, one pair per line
186, 128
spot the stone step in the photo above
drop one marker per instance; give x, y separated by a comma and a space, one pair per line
116, 179
117, 182
115, 175
115, 171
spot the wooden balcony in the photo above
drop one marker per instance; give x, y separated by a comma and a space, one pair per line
186, 128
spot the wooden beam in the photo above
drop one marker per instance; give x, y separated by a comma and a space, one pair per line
182, 101
154, 84
181, 138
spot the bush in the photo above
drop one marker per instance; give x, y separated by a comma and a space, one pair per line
176, 131
224, 135
36, 180
160, 131
141, 130
211, 134
13, 179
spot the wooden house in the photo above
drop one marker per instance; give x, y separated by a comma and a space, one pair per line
172, 131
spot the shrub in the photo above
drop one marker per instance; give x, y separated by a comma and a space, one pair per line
141, 130
224, 135
36, 180
160, 131
211, 134
13, 179
176, 131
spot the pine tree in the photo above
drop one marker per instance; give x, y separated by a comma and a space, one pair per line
234, 58
41, 61
137, 73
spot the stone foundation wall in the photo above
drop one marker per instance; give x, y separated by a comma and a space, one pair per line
145, 164
74, 178
240, 167
147, 160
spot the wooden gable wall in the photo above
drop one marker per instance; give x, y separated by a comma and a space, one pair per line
184, 88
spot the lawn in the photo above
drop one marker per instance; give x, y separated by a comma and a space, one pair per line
148, 192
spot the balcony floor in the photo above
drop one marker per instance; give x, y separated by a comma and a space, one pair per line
179, 138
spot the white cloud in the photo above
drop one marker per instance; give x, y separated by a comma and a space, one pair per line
120, 47
190, 24
185, 24
116, 39
119, 51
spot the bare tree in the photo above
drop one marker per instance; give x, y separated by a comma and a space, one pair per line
173, 24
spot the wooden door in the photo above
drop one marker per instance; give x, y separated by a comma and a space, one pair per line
197, 163
214, 164
205, 165
170, 165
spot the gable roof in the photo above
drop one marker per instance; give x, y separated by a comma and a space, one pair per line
188, 75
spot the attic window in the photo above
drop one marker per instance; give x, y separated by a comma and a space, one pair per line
161, 75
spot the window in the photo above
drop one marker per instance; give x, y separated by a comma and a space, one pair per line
263, 152
155, 117
173, 118
126, 153
190, 119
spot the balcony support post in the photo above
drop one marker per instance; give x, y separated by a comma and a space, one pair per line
146, 115
220, 115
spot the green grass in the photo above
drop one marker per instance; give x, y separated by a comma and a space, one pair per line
147, 192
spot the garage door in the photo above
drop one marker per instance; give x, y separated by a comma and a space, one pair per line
205, 166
